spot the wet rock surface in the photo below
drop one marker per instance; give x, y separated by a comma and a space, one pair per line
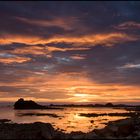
128, 114
123, 129
39, 114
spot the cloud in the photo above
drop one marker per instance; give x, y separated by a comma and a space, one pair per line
52, 49
128, 25
78, 57
103, 64
107, 39
9, 39
8, 59
41, 51
66, 87
56, 53
65, 23
34, 50
130, 66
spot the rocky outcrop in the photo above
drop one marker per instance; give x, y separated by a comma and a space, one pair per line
22, 104
122, 129
27, 131
109, 105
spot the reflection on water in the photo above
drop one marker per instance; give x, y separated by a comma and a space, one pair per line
68, 120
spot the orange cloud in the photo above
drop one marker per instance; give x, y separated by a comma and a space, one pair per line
8, 58
36, 50
9, 39
107, 39
71, 87
47, 50
103, 39
51, 49
78, 57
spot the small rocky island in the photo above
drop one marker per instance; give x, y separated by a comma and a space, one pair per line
29, 104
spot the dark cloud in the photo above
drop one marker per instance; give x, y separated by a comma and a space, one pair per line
103, 64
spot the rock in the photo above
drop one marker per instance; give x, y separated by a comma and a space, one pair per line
36, 130
22, 104
4, 120
91, 135
114, 128
92, 121
109, 105
125, 130
46, 130
76, 135
105, 132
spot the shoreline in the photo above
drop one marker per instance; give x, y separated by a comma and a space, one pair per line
128, 128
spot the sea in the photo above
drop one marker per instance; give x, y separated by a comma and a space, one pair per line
67, 120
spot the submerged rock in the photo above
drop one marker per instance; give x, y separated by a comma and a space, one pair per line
39, 114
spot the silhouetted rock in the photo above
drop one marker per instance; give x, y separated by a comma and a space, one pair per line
109, 105
125, 129
99, 105
22, 104
35, 130
4, 120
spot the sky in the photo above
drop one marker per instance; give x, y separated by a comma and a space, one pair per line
70, 52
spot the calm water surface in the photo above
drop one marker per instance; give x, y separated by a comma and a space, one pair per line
68, 120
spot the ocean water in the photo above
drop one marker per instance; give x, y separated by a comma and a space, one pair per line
69, 119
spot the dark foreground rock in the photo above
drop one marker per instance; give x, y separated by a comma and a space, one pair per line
122, 129
26, 131
22, 104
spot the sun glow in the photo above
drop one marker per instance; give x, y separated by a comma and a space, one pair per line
80, 95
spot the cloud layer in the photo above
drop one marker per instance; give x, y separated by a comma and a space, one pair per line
66, 52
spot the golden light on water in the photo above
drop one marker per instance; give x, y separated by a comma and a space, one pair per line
69, 119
